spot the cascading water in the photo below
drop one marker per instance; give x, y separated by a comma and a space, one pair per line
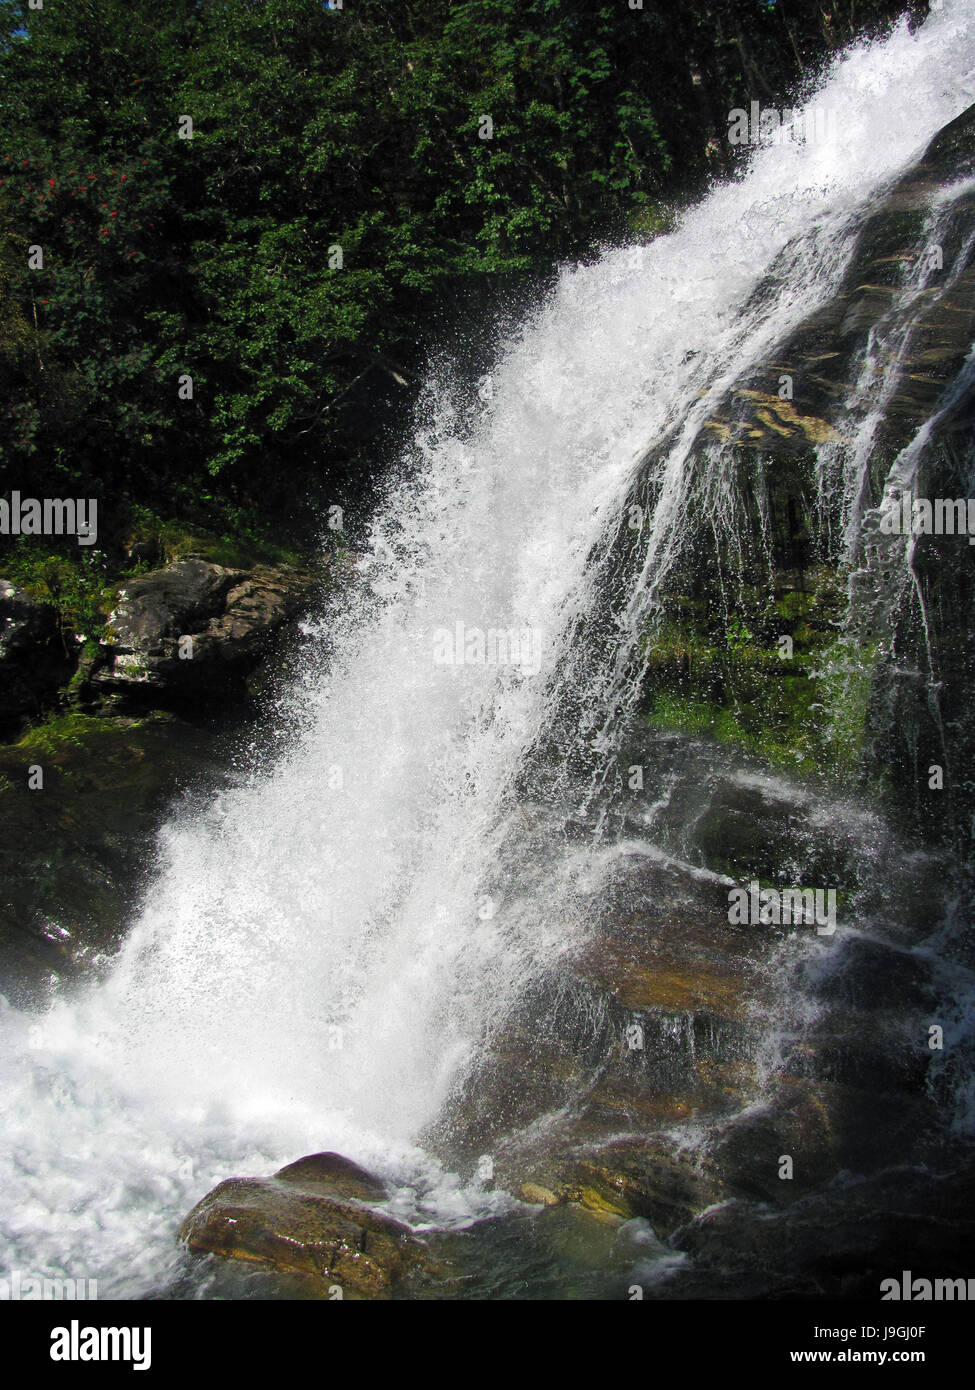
325, 951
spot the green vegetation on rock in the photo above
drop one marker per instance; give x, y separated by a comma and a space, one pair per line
732, 681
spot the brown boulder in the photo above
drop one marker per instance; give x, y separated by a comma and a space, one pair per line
308, 1219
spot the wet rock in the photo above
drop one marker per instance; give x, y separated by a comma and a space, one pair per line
823, 352
780, 1150
646, 1027
840, 1242
309, 1219
194, 629
837, 702
684, 963
74, 851
874, 974
333, 1176
34, 660
883, 1053
537, 1195
642, 1178
748, 831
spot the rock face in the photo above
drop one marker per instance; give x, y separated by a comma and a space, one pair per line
772, 633
33, 659
824, 354
310, 1219
664, 1071
73, 853
194, 629
843, 1241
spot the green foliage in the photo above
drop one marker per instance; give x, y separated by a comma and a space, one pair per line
58, 735
76, 585
165, 540
315, 128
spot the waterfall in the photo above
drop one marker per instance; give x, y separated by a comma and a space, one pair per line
325, 949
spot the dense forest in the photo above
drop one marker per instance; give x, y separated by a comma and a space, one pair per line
256, 219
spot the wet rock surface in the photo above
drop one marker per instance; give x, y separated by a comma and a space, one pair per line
838, 1243
309, 1219
683, 1065
824, 354
772, 634
77, 850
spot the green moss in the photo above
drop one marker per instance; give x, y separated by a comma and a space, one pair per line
89, 652
172, 539
72, 730
781, 741
651, 220
725, 678
176, 541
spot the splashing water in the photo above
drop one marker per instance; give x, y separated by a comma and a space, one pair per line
323, 951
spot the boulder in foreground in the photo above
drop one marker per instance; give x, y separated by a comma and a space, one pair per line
310, 1219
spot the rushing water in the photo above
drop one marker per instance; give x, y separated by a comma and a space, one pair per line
323, 951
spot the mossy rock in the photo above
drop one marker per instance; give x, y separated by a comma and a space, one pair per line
642, 1178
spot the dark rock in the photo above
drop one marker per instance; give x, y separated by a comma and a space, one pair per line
751, 1152
73, 854
169, 602
840, 1242
881, 1052
144, 552
194, 629
34, 660
874, 974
